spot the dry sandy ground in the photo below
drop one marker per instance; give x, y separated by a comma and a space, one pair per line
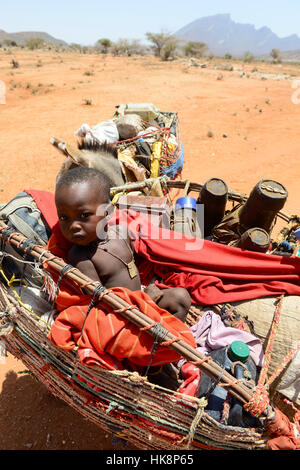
255, 127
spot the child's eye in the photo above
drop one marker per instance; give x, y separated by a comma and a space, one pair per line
62, 217
85, 215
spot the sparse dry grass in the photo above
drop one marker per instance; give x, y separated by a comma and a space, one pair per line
55, 99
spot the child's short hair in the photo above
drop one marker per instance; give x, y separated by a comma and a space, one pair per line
82, 174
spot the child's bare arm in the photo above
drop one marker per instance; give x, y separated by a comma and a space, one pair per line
80, 260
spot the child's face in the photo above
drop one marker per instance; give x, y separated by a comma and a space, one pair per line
80, 209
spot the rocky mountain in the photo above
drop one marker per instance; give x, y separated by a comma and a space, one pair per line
223, 35
22, 37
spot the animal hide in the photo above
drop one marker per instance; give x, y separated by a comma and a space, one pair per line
103, 157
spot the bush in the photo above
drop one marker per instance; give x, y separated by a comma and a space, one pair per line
127, 48
9, 43
34, 43
248, 57
136, 48
194, 49
275, 54
75, 47
15, 64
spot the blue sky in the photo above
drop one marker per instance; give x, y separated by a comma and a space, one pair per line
85, 22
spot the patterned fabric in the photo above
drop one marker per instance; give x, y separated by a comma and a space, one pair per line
108, 338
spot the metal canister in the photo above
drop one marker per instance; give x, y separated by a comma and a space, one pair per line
255, 239
185, 217
213, 196
266, 199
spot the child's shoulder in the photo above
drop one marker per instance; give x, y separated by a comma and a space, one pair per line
118, 232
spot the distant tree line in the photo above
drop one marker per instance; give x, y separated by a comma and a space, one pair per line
31, 43
163, 45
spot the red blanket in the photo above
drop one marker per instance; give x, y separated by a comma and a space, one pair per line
45, 202
108, 338
212, 274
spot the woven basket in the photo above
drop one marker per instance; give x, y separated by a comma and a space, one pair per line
121, 402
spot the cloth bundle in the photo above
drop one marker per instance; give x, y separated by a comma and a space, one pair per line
106, 131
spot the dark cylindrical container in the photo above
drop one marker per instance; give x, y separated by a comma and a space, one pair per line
213, 196
255, 239
266, 199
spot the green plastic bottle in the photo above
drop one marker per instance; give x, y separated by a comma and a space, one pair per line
238, 351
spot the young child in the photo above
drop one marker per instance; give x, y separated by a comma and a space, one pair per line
82, 199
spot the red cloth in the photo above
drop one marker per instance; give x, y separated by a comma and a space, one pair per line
108, 338
46, 204
191, 375
285, 435
214, 273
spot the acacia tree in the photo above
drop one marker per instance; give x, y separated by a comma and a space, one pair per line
163, 45
104, 45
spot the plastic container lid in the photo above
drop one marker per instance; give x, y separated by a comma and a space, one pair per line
186, 203
297, 234
238, 351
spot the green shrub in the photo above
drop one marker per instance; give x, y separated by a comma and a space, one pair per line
34, 43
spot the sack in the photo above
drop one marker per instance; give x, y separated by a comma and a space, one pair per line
103, 132
22, 214
129, 126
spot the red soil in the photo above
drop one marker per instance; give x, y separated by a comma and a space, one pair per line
254, 126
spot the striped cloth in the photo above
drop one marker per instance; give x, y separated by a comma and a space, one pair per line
108, 338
